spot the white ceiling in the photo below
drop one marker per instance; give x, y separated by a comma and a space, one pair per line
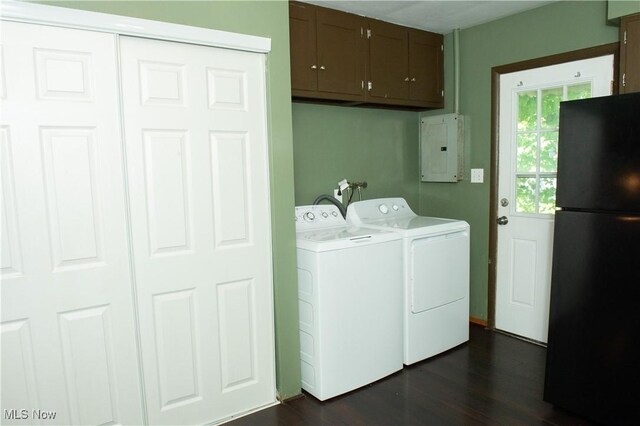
437, 16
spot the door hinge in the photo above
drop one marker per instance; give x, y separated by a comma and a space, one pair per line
442, 94
368, 32
369, 85
362, 84
625, 37
624, 79
442, 47
361, 32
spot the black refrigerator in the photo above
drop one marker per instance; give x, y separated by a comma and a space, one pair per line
593, 351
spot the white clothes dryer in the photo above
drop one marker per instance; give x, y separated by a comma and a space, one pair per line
350, 302
435, 277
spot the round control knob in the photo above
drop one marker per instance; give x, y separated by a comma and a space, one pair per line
395, 207
383, 208
325, 215
334, 214
309, 217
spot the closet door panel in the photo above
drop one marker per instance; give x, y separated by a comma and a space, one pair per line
68, 331
195, 133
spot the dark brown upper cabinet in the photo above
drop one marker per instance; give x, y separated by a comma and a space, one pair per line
343, 57
426, 68
388, 62
630, 54
328, 53
302, 41
405, 66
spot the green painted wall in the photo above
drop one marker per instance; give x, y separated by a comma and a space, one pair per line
619, 8
555, 28
268, 19
360, 144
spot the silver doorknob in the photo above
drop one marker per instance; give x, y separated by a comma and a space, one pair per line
313, 67
502, 220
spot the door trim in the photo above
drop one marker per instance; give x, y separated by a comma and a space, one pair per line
32, 13
496, 72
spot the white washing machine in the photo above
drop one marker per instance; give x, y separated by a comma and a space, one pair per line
350, 302
436, 274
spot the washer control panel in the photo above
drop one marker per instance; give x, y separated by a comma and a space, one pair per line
318, 216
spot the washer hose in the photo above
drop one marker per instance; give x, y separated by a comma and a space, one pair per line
329, 198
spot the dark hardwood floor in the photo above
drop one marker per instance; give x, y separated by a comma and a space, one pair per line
492, 379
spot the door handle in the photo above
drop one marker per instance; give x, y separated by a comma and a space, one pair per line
502, 220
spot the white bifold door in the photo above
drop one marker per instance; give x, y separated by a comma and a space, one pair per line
136, 256
195, 135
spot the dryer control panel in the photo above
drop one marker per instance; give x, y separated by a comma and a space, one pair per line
318, 216
362, 211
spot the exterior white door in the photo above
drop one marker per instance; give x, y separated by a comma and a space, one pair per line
68, 333
529, 112
196, 149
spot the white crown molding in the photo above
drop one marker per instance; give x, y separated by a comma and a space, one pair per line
11, 10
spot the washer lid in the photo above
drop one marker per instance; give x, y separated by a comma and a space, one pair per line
342, 237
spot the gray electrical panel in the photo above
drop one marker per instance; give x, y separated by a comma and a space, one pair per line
441, 148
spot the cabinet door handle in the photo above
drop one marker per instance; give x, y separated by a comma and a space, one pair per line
322, 67
313, 67
413, 79
406, 79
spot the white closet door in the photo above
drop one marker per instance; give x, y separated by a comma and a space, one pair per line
68, 333
195, 133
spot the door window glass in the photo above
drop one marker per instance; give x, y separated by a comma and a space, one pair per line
537, 145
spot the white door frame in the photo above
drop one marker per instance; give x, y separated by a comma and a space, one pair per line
496, 72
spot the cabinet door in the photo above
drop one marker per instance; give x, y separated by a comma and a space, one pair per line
630, 54
197, 162
388, 59
341, 53
302, 38
68, 328
425, 67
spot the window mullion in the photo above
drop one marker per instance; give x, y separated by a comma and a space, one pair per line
538, 131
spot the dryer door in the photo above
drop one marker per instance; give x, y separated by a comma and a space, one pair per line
439, 270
